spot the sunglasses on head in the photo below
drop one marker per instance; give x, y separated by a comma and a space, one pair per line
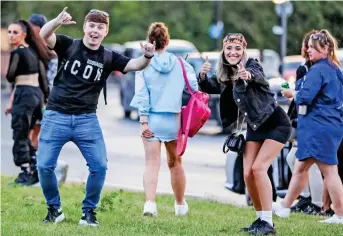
319, 36
98, 11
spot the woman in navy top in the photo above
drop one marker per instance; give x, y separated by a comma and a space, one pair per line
319, 96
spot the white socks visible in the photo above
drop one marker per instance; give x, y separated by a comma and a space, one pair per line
259, 214
268, 216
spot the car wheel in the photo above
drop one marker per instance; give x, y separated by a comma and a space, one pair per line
127, 114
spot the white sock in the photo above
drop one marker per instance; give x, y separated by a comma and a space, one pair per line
267, 216
259, 214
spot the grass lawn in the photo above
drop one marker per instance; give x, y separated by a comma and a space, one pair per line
120, 213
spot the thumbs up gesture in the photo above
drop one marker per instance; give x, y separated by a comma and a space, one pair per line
242, 73
206, 67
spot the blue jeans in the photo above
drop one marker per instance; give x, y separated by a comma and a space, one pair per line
84, 130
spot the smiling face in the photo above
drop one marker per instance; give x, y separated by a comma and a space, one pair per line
233, 53
16, 35
94, 33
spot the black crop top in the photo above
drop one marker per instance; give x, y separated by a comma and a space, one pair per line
23, 61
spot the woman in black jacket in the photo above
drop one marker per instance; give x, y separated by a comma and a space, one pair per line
27, 71
244, 90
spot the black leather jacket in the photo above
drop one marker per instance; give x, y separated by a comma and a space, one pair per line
253, 98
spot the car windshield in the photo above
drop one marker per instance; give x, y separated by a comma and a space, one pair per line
291, 65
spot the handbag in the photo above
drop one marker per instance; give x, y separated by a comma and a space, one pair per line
193, 116
235, 142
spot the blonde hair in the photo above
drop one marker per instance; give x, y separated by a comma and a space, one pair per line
223, 69
325, 38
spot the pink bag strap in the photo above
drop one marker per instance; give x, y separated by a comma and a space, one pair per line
183, 134
185, 76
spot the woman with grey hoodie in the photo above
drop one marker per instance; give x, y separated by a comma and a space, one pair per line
158, 98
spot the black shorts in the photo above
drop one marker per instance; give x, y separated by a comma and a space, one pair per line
277, 127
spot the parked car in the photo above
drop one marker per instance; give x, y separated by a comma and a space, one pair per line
290, 66
132, 49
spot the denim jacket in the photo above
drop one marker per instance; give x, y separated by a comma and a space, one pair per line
253, 98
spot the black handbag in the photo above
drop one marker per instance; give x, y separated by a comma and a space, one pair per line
235, 142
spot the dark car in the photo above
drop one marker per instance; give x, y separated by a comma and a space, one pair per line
132, 49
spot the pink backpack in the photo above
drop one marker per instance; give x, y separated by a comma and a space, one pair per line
193, 116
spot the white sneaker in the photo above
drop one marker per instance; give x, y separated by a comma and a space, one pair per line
181, 210
280, 211
332, 220
150, 209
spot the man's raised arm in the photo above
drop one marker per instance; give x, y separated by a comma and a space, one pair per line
47, 32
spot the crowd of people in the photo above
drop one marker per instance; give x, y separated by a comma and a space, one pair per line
84, 65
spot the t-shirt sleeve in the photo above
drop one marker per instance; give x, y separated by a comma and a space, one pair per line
63, 42
119, 61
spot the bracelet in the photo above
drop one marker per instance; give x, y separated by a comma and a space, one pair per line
147, 57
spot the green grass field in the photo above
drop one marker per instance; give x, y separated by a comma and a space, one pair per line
120, 213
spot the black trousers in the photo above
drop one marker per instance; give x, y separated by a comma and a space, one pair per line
26, 109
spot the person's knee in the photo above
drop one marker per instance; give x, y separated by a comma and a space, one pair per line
100, 167
258, 169
45, 168
174, 161
248, 174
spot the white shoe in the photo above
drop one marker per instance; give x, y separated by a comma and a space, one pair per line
181, 210
280, 211
150, 209
332, 220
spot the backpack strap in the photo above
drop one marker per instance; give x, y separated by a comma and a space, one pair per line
108, 57
68, 54
185, 76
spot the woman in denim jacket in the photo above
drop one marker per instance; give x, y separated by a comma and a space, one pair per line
244, 89
319, 97
158, 97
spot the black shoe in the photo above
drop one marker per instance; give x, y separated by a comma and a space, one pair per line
54, 215
89, 219
26, 178
312, 209
302, 204
263, 228
252, 226
328, 213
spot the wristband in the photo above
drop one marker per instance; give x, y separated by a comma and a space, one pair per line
147, 57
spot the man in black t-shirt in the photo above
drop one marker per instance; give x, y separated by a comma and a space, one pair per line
71, 111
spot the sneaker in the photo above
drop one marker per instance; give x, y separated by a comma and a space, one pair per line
329, 212
312, 209
26, 178
302, 204
181, 210
252, 226
89, 219
54, 215
333, 220
263, 228
281, 211
150, 209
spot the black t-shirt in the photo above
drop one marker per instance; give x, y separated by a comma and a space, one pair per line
77, 89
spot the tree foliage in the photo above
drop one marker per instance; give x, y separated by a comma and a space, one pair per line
191, 20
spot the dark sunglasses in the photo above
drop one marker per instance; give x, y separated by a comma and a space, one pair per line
98, 11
